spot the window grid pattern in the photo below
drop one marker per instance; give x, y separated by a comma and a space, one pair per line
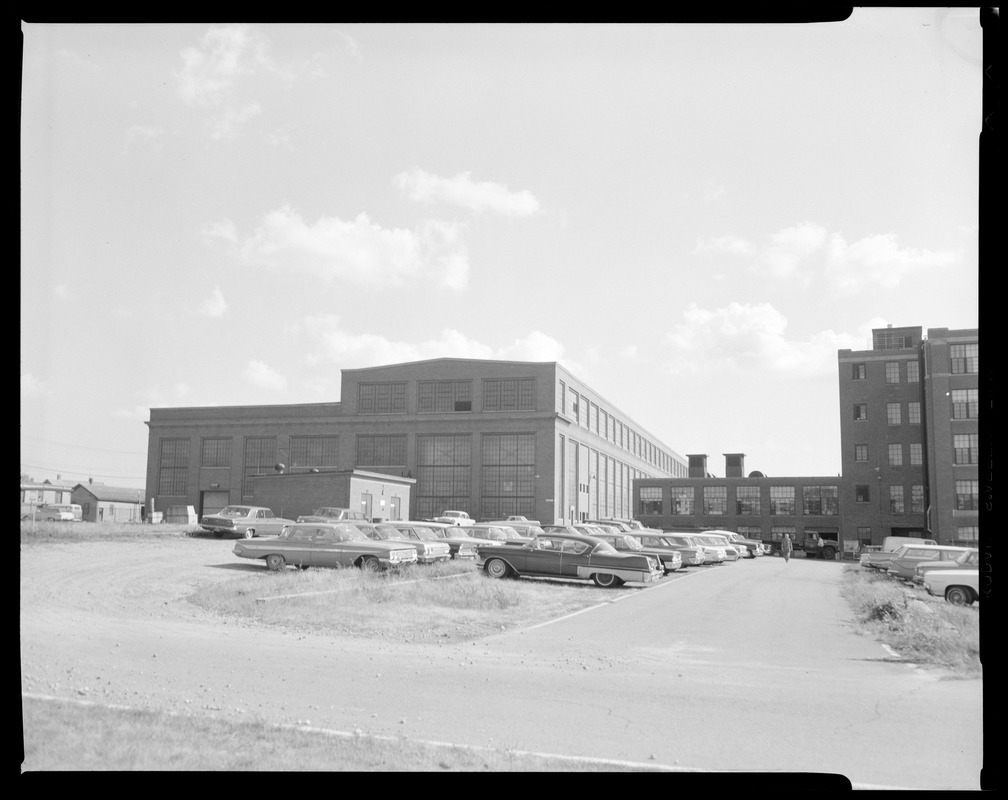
967, 495
260, 457
436, 397
508, 474
968, 534
858, 372
860, 411
893, 415
215, 452
782, 501
965, 447
173, 467
965, 403
896, 503
895, 455
821, 500
965, 358
917, 498
681, 501
651, 500
444, 473
913, 372
860, 452
313, 452
892, 372
381, 451
381, 398
777, 532
913, 412
862, 493
715, 500
916, 454
747, 501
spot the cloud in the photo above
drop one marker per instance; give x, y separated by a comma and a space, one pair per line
466, 193
264, 376
225, 54
730, 245
358, 251
228, 124
791, 245
750, 339
32, 387
215, 305
222, 230
879, 260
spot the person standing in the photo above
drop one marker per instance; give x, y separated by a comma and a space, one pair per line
786, 547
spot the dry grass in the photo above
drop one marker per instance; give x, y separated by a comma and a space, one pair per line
39, 532
922, 629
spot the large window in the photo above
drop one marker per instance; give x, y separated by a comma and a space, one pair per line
965, 447
381, 398
715, 500
967, 495
173, 468
747, 500
444, 396
681, 501
862, 493
444, 471
858, 372
509, 394
782, 501
313, 452
260, 458
968, 535
381, 451
892, 372
965, 358
895, 455
215, 452
572, 409
896, 500
777, 532
860, 411
917, 498
860, 452
913, 412
965, 403
821, 500
916, 454
893, 416
508, 474
651, 500
913, 372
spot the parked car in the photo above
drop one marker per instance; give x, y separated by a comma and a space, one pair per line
55, 512
245, 522
575, 556
879, 559
690, 555
326, 544
713, 554
732, 552
909, 556
429, 550
528, 529
522, 518
460, 546
753, 548
496, 533
670, 559
450, 533
968, 560
961, 587
455, 518
332, 514
866, 550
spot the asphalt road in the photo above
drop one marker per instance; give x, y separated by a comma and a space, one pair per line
753, 666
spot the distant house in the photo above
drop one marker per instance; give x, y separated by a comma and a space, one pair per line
49, 492
101, 503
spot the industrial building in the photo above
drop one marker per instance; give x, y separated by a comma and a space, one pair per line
492, 438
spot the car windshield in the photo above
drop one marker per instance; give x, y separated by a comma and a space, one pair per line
426, 534
631, 543
234, 511
390, 532
603, 547
328, 512
351, 533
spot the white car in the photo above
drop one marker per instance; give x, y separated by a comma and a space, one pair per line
961, 587
455, 518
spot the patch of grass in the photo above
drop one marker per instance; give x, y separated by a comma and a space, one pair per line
46, 532
922, 629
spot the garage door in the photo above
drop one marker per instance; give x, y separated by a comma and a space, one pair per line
212, 502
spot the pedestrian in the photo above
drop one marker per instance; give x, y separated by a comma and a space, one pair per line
786, 547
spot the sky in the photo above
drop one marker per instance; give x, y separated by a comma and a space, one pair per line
692, 218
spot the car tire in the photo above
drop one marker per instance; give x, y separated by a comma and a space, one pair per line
497, 568
606, 580
370, 564
249, 533
275, 562
959, 596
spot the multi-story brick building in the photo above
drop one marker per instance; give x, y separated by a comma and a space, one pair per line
492, 438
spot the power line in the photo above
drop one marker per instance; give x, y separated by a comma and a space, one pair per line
81, 474
83, 447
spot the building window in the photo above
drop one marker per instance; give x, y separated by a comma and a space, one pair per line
965, 448
913, 412
893, 416
173, 468
381, 398
917, 498
681, 501
916, 454
750, 532
260, 458
860, 452
862, 493
913, 372
965, 403
858, 372
864, 535
381, 451
967, 494
651, 500
965, 358
896, 500
968, 535
444, 472
820, 500
562, 398
895, 455
215, 452
777, 532
715, 500
507, 474
892, 372
860, 411
747, 500
313, 452
593, 421
509, 394
435, 397
782, 501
